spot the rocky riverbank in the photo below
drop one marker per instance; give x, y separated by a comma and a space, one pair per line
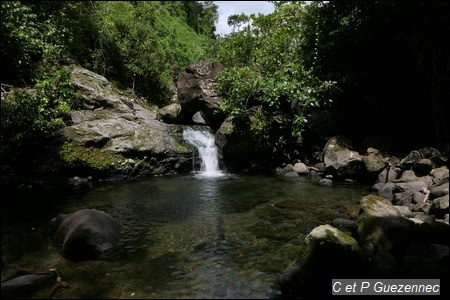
401, 230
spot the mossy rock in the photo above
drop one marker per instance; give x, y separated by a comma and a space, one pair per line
327, 253
381, 227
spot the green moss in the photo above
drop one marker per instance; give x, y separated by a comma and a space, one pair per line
75, 156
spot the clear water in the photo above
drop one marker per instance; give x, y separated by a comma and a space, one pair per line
183, 236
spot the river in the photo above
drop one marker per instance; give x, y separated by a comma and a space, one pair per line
182, 236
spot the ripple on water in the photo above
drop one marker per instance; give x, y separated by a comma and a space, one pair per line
189, 236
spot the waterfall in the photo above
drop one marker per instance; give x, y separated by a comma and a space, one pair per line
205, 143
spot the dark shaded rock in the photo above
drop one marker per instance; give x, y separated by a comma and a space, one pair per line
85, 234
424, 166
21, 286
197, 91
342, 164
440, 206
344, 224
421, 267
381, 227
327, 253
384, 265
291, 174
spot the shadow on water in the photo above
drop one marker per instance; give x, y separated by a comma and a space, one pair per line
182, 236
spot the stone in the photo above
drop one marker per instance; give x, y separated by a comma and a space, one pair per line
389, 174
197, 91
407, 176
343, 163
439, 191
301, 168
199, 118
85, 234
381, 227
119, 126
387, 191
374, 160
326, 254
172, 114
439, 174
411, 186
424, 165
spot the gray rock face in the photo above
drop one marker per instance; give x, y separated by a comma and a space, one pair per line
116, 124
343, 163
197, 91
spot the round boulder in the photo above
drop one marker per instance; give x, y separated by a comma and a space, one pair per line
85, 234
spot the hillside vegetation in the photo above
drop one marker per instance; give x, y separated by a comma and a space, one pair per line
389, 58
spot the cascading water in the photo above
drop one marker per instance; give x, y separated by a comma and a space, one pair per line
205, 143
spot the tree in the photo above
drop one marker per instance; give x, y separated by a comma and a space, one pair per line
236, 21
387, 57
266, 70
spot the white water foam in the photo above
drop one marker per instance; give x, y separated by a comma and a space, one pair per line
205, 143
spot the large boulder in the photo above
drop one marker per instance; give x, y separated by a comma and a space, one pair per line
382, 228
343, 164
197, 92
172, 114
374, 162
85, 234
121, 127
327, 253
424, 160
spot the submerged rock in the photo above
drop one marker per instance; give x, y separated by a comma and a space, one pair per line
85, 234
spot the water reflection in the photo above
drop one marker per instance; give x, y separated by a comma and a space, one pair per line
184, 236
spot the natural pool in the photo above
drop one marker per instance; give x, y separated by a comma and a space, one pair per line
183, 236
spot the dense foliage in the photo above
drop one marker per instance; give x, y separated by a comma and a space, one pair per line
141, 45
383, 63
390, 57
267, 78
29, 117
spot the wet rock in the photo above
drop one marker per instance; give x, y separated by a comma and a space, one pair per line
85, 234
326, 182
